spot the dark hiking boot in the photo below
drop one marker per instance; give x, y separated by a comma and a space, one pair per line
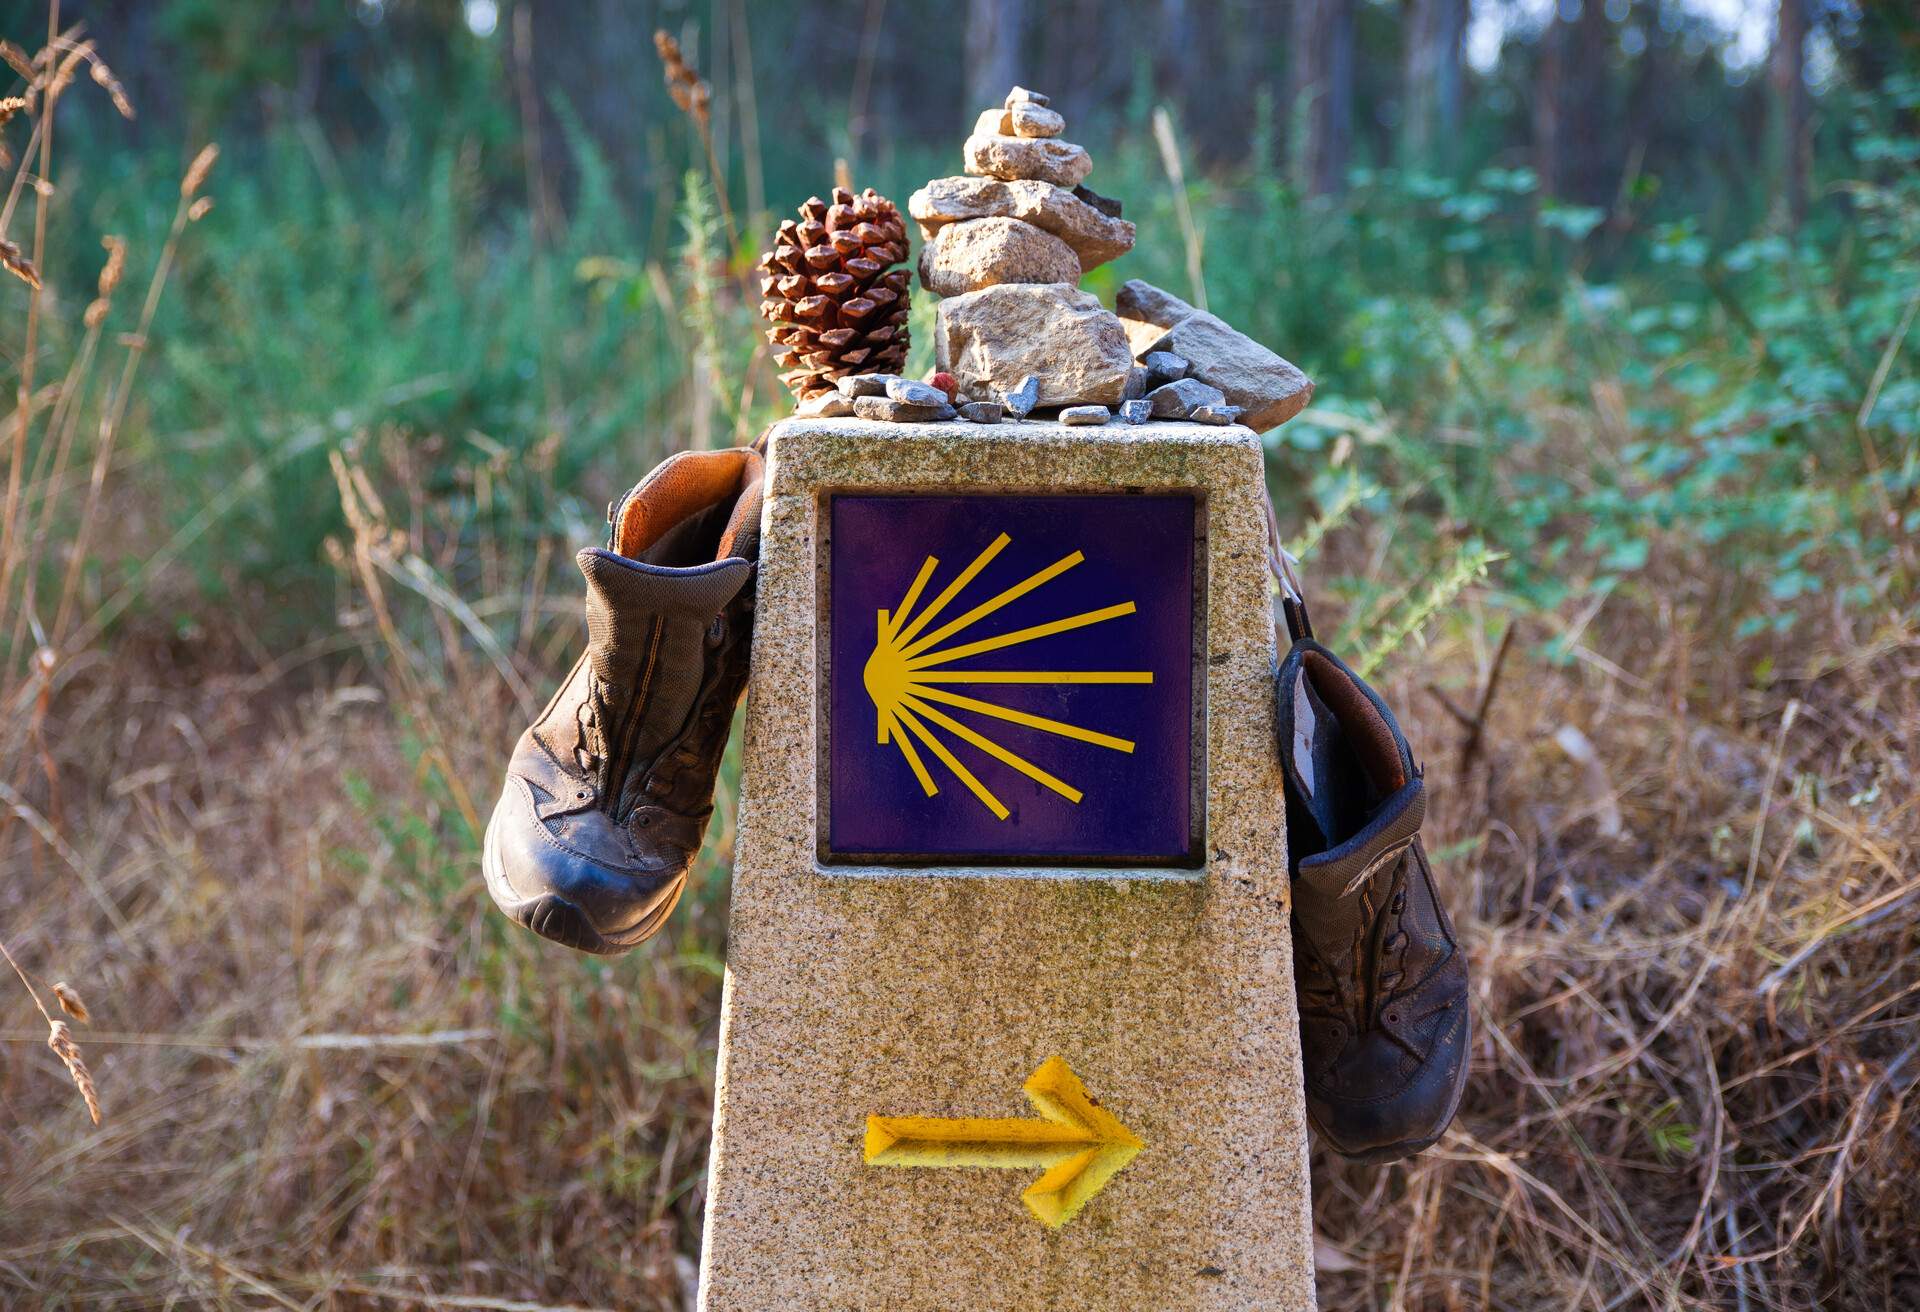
1381, 980
608, 794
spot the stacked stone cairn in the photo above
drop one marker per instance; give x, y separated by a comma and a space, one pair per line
1014, 336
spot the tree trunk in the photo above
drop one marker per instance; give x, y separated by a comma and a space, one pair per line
1789, 113
1322, 93
1436, 33
993, 51
1570, 107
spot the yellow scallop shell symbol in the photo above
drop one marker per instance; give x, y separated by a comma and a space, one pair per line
909, 671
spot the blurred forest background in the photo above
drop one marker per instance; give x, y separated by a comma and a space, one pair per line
1612, 478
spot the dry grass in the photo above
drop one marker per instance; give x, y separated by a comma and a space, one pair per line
337, 1079
340, 1080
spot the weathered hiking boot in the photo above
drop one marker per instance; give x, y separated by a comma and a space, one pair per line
1381, 980
608, 794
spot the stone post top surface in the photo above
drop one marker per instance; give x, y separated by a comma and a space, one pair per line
1040, 432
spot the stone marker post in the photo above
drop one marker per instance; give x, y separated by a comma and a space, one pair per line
1009, 1019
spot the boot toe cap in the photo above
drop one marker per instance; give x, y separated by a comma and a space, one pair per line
579, 894
1374, 1109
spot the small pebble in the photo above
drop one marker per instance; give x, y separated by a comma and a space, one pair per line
1020, 94
1077, 415
1021, 400
827, 405
900, 412
1136, 412
982, 412
1138, 381
1215, 414
915, 393
1031, 120
1176, 400
865, 385
1164, 367
946, 382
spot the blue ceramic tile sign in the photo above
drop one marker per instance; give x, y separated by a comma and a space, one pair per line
1011, 680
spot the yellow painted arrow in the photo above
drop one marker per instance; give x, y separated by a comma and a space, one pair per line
1078, 1141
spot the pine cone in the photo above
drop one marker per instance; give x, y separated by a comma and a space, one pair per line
835, 304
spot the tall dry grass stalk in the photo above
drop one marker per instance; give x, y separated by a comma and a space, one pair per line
60, 1035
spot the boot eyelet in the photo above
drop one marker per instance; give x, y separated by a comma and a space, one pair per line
581, 795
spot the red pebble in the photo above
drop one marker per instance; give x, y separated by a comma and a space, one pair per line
947, 383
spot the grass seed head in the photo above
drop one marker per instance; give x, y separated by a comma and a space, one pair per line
18, 264
70, 1002
198, 170
60, 1039
111, 85
116, 263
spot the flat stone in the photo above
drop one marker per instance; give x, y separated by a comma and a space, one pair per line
1035, 121
1076, 416
982, 412
1021, 94
1136, 412
994, 123
887, 990
1105, 204
1021, 400
1176, 400
1095, 237
915, 393
992, 339
964, 257
1137, 382
1164, 367
827, 405
1138, 299
1215, 414
1267, 387
900, 412
1043, 159
865, 385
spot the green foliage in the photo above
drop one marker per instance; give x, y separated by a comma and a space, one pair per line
1589, 399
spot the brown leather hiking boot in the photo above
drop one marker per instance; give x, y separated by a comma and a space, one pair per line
1381, 980
608, 794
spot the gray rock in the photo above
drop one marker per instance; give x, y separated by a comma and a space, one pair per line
990, 340
900, 412
827, 405
1215, 414
1083, 415
1020, 401
1105, 204
1136, 412
1137, 299
983, 412
865, 385
1137, 382
1164, 367
1269, 389
1039, 159
964, 257
915, 393
1019, 94
1095, 237
1031, 120
1178, 399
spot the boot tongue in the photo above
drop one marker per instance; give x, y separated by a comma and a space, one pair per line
1391, 826
631, 606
